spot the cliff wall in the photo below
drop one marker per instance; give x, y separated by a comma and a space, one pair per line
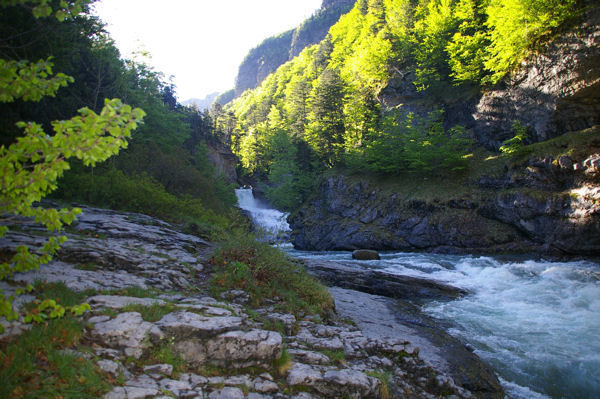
277, 50
547, 204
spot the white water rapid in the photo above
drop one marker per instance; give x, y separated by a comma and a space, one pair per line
272, 221
536, 322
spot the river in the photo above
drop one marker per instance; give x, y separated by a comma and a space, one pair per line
535, 321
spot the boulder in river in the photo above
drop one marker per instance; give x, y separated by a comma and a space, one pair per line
365, 254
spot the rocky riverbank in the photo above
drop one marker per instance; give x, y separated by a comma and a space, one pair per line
146, 285
534, 204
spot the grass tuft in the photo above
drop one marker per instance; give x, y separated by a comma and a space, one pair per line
266, 273
150, 313
35, 365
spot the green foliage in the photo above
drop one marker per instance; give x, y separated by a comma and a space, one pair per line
409, 142
28, 80
151, 313
142, 193
515, 143
336, 356
44, 8
385, 378
433, 29
36, 365
516, 25
329, 97
31, 166
265, 272
165, 353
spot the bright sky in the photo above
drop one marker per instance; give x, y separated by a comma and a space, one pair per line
200, 42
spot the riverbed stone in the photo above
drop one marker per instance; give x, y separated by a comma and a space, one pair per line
174, 386
264, 386
365, 254
165, 369
333, 382
131, 393
309, 357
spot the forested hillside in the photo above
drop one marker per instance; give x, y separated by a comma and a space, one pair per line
391, 89
165, 170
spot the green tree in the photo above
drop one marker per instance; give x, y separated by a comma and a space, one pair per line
31, 166
433, 30
515, 25
326, 127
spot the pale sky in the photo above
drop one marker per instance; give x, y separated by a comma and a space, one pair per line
200, 42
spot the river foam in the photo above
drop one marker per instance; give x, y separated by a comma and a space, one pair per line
535, 321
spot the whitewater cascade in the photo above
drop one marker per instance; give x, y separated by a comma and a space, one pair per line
272, 221
536, 322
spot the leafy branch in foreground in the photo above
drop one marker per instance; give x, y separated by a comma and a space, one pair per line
30, 168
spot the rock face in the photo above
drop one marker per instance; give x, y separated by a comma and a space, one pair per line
555, 91
541, 207
112, 250
223, 160
277, 50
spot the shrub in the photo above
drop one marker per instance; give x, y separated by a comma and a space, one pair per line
265, 272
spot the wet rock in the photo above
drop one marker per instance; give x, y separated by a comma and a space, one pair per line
416, 336
488, 222
365, 254
380, 283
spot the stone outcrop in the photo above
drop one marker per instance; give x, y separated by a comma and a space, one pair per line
376, 282
546, 205
555, 90
223, 159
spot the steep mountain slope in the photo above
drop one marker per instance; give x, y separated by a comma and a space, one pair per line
274, 51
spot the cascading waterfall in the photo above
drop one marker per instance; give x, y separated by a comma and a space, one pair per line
272, 221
